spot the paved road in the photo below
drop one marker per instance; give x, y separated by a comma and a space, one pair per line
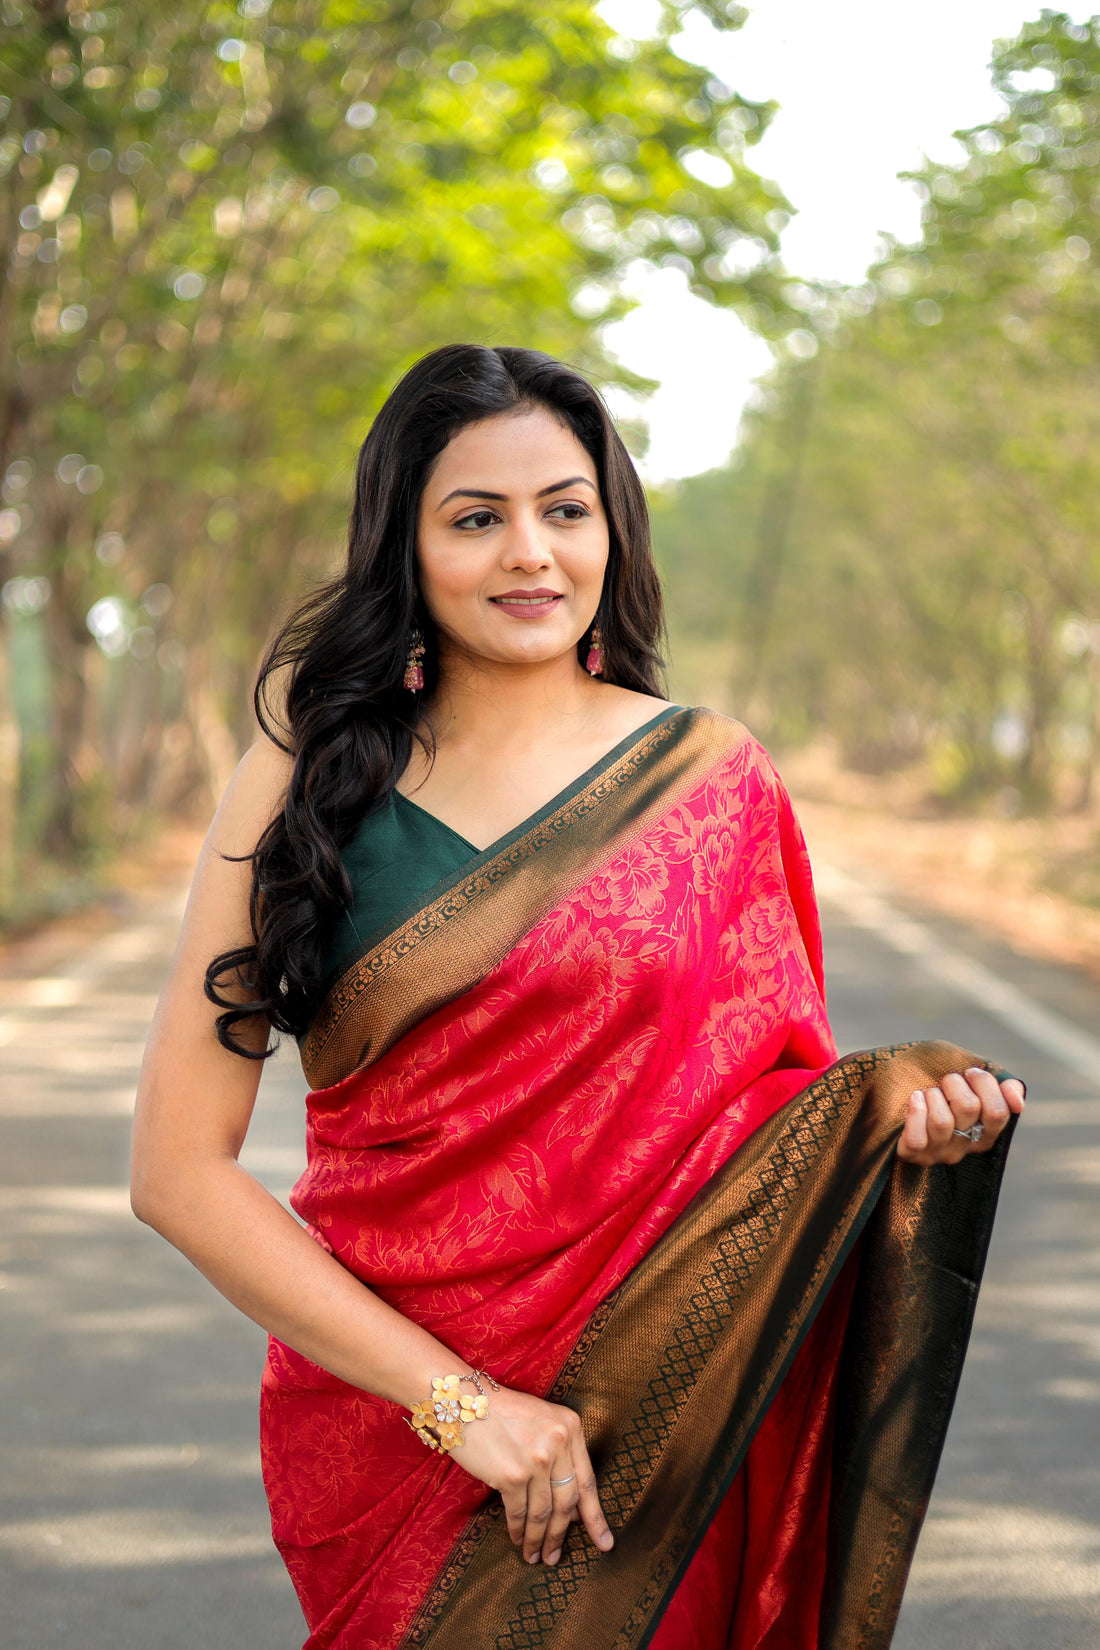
131, 1513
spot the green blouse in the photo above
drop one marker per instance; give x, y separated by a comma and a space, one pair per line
397, 854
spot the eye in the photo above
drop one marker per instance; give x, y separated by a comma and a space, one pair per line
476, 520
570, 511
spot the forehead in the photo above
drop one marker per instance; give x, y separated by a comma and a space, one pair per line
515, 452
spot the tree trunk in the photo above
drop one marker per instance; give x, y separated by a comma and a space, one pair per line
9, 782
777, 508
1043, 693
73, 756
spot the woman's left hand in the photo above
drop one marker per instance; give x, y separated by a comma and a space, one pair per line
958, 1102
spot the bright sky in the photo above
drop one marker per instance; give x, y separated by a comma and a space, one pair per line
864, 86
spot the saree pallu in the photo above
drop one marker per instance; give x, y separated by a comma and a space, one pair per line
580, 1114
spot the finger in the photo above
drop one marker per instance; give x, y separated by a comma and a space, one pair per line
565, 1498
994, 1115
963, 1098
588, 1499
540, 1508
1013, 1090
1015, 1093
941, 1119
984, 1084
515, 1511
914, 1134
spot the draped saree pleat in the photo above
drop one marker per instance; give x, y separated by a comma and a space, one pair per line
580, 1114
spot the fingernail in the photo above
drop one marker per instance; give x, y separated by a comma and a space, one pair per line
553, 1559
534, 1558
918, 1096
607, 1540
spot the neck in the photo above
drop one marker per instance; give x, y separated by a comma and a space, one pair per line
511, 704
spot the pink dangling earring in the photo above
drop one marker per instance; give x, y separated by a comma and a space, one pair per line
413, 679
594, 663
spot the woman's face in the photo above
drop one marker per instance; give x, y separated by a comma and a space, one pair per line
512, 540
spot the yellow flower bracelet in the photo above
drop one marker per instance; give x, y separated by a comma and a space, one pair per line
438, 1421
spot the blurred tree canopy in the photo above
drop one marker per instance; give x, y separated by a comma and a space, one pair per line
226, 230
905, 547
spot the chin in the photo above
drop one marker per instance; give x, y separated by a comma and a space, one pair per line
535, 653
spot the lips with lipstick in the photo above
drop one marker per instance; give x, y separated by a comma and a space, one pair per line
527, 604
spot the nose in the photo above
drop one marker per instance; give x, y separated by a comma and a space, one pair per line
527, 546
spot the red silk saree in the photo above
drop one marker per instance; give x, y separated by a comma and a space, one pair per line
580, 1114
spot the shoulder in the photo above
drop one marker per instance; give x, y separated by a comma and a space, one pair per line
254, 795
625, 711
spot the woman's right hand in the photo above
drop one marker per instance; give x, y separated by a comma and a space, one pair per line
521, 1445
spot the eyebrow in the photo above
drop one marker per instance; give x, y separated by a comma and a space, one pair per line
543, 492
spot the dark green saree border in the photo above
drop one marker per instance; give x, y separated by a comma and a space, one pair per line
919, 1273
675, 1371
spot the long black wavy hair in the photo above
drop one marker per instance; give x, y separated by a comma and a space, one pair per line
346, 720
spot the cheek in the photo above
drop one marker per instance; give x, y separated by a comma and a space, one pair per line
448, 572
585, 555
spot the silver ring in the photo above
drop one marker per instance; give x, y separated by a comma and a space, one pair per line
559, 1481
974, 1132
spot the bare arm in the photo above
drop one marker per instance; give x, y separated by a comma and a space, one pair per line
194, 1104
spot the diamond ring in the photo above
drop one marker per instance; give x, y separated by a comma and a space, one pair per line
974, 1132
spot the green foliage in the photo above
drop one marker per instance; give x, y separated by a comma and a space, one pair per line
226, 230
916, 563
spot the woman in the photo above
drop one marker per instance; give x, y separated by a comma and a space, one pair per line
579, 1148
